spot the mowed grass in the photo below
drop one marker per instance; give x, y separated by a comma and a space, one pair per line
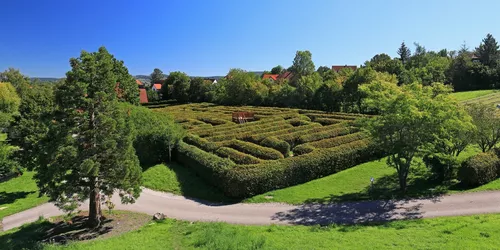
468, 95
3, 137
177, 179
355, 184
18, 194
467, 232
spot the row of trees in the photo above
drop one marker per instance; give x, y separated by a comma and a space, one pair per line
81, 135
329, 90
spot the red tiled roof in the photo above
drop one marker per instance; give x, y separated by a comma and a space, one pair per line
143, 96
337, 68
138, 82
285, 75
157, 86
270, 76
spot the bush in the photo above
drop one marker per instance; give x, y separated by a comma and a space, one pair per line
326, 134
339, 140
303, 149
479, 169
236, 156
280, 145
443, 167
256, 150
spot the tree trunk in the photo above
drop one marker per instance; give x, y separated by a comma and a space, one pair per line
95, 212
402, 182
169, 154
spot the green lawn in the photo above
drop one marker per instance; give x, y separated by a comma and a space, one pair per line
354, 184
467, 95
3, 136
467, 232
180, 180
19, 194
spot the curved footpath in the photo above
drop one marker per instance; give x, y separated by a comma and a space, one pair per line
183, 208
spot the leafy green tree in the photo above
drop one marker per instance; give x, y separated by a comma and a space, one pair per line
30, 128
277, 70
243, 88
14, 77
412, 118
174, 135
7, 164
198, 90
302, 64
88, 150
157, 76
328, 97
404, 53
9, 104
153, 96
180, 86
488, 52
384, 63
487, 121
327, 73
306, 88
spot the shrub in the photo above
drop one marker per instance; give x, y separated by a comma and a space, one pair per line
236, 156
280, 145
479, 169
303, 149
256, 150
327, 121
443, 167
213, 121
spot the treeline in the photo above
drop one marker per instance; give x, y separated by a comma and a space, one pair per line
329, 90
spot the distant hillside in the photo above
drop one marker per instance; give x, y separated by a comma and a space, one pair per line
45, 79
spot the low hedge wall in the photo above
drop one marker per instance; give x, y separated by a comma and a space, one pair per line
280, 145
339, 140
256, 150
249, 180
236, 156
303, 149
327, 121
339, 131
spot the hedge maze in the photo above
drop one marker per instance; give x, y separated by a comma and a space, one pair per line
281, 147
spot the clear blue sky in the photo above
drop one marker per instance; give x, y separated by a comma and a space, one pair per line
210, 37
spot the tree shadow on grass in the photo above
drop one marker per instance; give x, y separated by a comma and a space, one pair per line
35, 235
421, 185
9, 198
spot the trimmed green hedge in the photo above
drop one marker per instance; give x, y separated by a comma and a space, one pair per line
339, 140
280, 145
311, 137
303, 149
213, 121
236, 156
248, 133
479, 169
327, 121
256, 150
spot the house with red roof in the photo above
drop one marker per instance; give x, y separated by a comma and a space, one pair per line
337, 68
156, 87
273, 77
285, 75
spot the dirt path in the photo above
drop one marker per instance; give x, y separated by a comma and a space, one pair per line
183, 208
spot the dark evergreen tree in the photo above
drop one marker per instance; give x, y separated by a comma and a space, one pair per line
488, 51
404, 53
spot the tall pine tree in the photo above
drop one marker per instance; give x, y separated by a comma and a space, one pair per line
488, 52
88, 150
404, 53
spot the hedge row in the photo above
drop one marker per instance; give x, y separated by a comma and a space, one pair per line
213, 121
338, 131
256, 150
281, 132
233, 126
327, 121
255, 127
248, 133
280, 145
480, 169
201, 143
236, 156
250, 180
303, 149
331, 116
337, 141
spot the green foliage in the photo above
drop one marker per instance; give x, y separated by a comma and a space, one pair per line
302, 64
404, 53
156, 76
277, 70
479, 169
256, 150
243, 88
272, 142
488, 52
88, 151
9, 104
487, 121
198, 89
153, 96
444, 167
180, 83
14, 77
127, 90
237, 156
7, 164
413, 119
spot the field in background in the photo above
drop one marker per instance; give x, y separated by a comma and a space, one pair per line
468, 95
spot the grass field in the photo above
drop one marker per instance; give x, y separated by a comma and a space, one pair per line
180, 180
467, 232
3, 137
491, 99
468, 95
19, 194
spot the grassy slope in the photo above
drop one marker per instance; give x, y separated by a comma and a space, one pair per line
3, 136
467, 95
19, 194
180, 180
467, 232
354, 184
